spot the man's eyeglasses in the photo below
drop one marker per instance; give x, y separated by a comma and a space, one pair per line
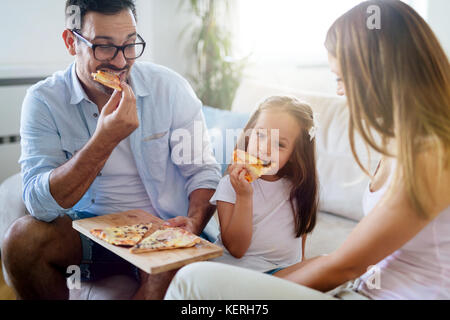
107, 52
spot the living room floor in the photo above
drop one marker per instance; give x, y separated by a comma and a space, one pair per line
6, 293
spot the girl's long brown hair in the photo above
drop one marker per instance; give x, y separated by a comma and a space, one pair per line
397, 81
301, 167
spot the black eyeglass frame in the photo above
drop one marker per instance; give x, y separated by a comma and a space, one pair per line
118, 48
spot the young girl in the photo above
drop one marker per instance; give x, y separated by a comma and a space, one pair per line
264, 224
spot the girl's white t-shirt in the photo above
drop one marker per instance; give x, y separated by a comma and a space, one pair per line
273, 244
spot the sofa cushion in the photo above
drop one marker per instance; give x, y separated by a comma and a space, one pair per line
342, 182
11, 204
330, 233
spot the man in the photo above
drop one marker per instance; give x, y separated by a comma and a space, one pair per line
88, 150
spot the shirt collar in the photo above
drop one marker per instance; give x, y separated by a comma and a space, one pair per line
136, 81
78, 93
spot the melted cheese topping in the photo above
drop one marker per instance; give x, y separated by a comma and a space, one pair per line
124, 235
169, 237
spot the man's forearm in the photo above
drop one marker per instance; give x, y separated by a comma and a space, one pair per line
200, 210
69, 182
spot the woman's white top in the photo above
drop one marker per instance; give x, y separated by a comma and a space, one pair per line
273, 243
418, 270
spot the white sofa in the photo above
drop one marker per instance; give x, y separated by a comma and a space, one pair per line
342, 184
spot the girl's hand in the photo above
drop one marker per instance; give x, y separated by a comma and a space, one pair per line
237, 178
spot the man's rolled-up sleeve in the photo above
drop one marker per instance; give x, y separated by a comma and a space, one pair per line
190, 143
41, 154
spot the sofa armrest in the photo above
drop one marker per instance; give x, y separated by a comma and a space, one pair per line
11, 204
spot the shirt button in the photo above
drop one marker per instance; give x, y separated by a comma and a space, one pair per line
93, 200
95, 115
99, 174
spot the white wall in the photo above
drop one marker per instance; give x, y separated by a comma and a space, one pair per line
168, 21
320, 79
32, 31
11, 101
439, 20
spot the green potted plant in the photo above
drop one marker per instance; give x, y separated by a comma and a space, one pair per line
218, 74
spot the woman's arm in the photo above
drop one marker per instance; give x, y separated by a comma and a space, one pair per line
390, 225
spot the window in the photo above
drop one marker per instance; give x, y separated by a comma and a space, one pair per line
291, 32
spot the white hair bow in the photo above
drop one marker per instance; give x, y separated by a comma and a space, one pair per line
315, 128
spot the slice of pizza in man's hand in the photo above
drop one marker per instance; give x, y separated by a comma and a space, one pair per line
107, 79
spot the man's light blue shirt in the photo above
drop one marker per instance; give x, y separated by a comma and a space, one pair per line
58, 119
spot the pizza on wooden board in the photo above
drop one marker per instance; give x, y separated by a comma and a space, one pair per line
123, 235
166, 238
107, 79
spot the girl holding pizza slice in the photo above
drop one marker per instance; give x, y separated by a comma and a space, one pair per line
267, 203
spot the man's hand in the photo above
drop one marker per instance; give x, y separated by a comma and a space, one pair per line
185, 223
200, 211
118, 118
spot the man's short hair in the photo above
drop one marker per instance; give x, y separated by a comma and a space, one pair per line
109, 7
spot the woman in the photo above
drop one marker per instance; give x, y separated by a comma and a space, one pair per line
397, 81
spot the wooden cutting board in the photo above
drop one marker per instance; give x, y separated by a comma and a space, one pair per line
150, 262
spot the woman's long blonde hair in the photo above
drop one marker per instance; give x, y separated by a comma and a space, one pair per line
397, 81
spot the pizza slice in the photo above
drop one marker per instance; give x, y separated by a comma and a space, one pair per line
107, 79
254, 165
123, 235
166, 238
